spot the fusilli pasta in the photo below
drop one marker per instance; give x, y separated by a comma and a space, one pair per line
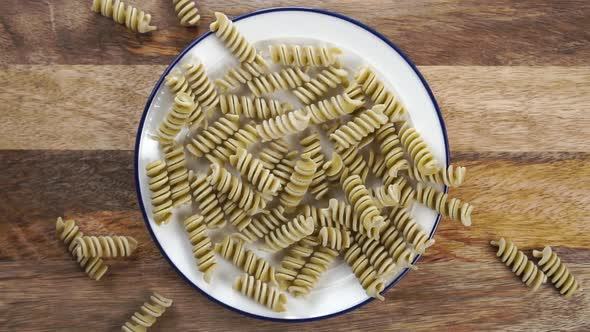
312, 145
134, 19
301, 56
214, 135
288, 233
377, 254
187, 12
200, 84
362, 203
69, 233
392, 240
452, 176
241, 139
235, 189
274, 153
176, 118
417, 150
400, 218
178, 177
560, 275
299, 182
253, 169
334, 238
376, 90
325, 80
242, 74
365, 273
264, 223
260, 292
361, 126
160, 189
310, 273
226, 31
332, 108
288, 78
234, 250
105, 246
386, 196
178, 84
283, 125
236, 215
202, 246
207, 200
390, 147
253, 108
147, 314
453, 208
509, 254
294, 260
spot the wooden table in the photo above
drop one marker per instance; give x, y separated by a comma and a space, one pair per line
512, 79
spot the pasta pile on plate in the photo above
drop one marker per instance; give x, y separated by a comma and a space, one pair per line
331, 172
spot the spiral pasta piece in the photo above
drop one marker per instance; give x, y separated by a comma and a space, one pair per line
214, 135
253, 169
178, 84
327, 79
299, 182
376, 163
332, 108
69, 233
334, 238
241, 139
362, 203
160, 189
560, 275
288, 233
261, 292
207, 200
377, 255
274, 153
202, 247
351, 133
391, 149
343, 214
302, 56
451, 176
320, 218
364, 272
234, 250
242, 74
227, 32
375, 89
236, 215
235, 189
148, 313
294, 261
283, 125
178, 177
312, 145
509, 254
401, 219
263, 224
288, 78
407, 193
310, 273
176, 118
417, 149
386, 196
200, 84
253, 108
105, 246
187, 12
134, 19
452, 208
285, 168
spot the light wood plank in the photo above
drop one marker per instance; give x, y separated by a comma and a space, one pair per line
432, 32
486, 109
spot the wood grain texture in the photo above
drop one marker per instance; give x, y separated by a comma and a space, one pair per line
512, 79
459, 281
432, 32
486, 109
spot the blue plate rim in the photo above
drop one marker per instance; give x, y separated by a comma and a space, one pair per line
169, 68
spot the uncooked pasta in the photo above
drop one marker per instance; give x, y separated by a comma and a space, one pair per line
558, 273
509, 254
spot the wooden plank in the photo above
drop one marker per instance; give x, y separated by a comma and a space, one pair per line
486, 109
432, 32
536, 199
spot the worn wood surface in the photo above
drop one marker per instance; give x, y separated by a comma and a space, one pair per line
512, 79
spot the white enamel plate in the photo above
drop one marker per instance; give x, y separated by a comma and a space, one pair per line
338, 291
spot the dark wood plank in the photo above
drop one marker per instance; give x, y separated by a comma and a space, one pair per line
452, 32
528, 197
486, 109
